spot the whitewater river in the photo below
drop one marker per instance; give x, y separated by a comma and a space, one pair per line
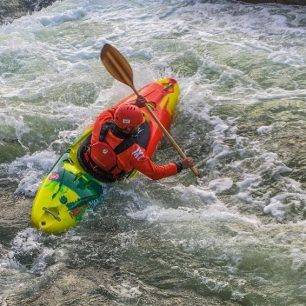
237, 236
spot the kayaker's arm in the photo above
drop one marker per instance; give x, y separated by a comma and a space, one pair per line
141, 162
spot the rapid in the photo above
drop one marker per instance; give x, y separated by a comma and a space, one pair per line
237, 236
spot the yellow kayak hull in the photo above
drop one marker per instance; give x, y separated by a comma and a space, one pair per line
68, 191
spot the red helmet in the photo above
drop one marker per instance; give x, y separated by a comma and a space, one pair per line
128, 116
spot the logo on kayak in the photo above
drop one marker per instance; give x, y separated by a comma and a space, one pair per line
126, 121
53, 176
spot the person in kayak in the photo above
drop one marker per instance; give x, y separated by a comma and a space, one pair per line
113, 152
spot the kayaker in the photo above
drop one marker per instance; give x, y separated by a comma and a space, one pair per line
113, 151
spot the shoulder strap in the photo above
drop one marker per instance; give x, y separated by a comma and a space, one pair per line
127, 141
104, 130
124, 145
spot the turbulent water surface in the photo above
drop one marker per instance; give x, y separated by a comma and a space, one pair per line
234, 237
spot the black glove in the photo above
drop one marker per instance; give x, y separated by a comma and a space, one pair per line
140, 101
184, 164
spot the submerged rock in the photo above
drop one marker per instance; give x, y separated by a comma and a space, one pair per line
10, 10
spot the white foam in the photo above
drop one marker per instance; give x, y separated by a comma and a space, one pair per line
31, 169
290, 56
250, 180
17, 122
184, 214
276, 207
27, 243
221, 185
196, 193
279, 93
272, 164
265, 129
63, 17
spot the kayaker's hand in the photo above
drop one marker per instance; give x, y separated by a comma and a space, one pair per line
140, 101
184, 164
187, 163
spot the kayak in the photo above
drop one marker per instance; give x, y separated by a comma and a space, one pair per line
70, 189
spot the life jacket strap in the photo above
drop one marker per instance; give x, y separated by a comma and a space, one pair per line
127, 142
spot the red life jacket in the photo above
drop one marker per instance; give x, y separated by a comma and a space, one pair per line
102, 155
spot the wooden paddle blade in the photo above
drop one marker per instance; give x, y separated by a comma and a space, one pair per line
117, 65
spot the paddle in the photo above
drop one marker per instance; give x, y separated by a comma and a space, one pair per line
120, 69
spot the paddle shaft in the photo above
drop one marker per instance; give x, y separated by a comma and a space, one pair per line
118, 68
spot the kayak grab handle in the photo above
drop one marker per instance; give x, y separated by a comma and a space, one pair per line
53, 214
